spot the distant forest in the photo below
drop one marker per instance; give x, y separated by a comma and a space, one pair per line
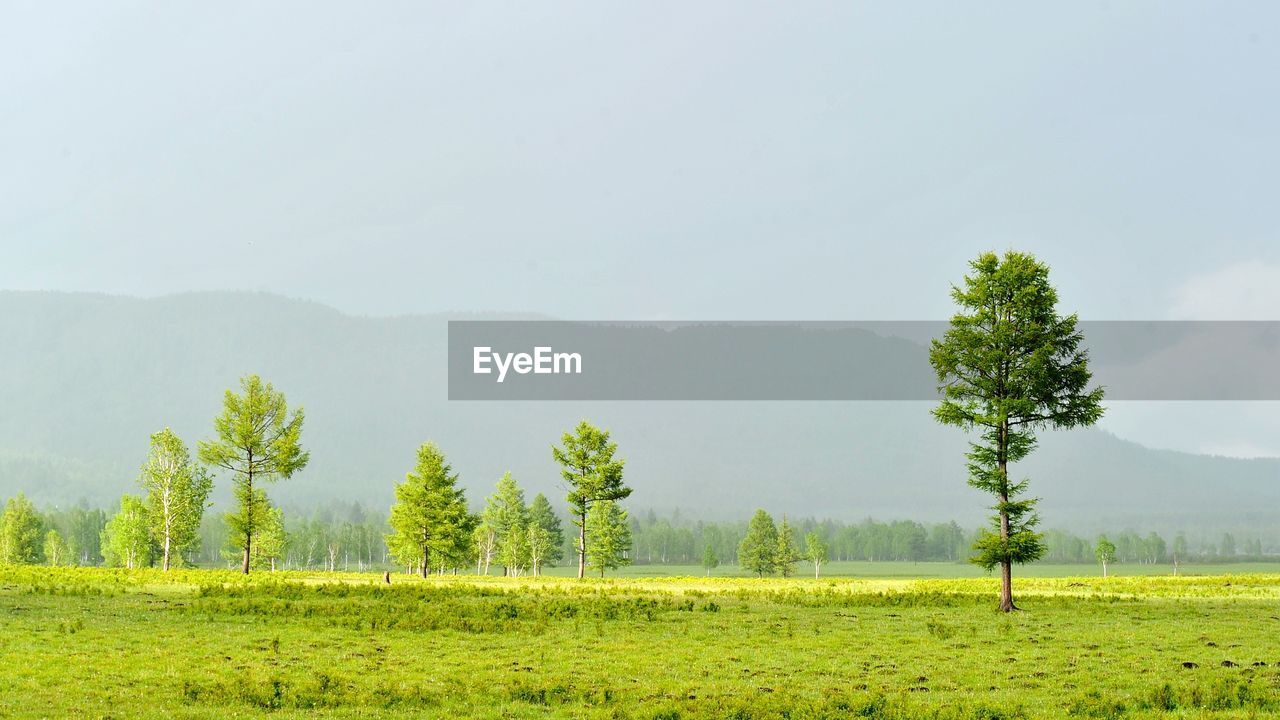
351, 536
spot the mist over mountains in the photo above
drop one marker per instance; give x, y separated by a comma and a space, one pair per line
84, 379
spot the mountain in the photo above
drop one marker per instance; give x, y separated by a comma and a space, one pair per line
84, 379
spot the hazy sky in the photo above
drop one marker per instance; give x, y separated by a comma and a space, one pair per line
645, 160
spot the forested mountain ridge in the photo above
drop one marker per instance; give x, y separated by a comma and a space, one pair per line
84, 379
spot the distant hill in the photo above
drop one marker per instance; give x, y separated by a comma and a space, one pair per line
85, 378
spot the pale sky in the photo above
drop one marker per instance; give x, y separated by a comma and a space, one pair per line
652, 161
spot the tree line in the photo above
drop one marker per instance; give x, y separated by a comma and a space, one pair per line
257, 441
353, 537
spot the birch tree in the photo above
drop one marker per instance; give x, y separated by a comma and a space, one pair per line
126, 540
539, 546
20, 532
485, 541
815, 551
177, 494
1105, 552
55, 549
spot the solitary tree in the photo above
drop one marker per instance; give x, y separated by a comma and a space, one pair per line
430, 512
1007, 366
21, 532
610, 536
788, 552
126, 540
257, 441
758, 551
593, 475
1105, 551
815, 551
542, 515
177, 494
710, 560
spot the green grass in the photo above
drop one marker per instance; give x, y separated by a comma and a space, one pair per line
209, 644
862, 569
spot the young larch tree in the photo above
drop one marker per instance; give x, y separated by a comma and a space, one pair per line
758, 551
610, 536
593, 475
257, 441
430, 512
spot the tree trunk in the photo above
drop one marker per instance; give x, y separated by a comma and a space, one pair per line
425, 558
1006, 567
166, 551
248, 516
582, 544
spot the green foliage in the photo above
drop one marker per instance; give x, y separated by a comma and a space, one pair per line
126, 539
21, 532
506, 513
55, 549
270, 538
610, 536
257, 440
1008, 366
177, 495
81, 529
593, 475
1105, 552
788, 552
539, 544
542, 515
758, 552
710, 560
429, 521
815, 551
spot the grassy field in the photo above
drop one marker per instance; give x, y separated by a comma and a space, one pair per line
936, 570
97, 643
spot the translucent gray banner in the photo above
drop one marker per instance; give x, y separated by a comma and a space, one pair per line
847, 360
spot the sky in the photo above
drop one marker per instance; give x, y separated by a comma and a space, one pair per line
662, 160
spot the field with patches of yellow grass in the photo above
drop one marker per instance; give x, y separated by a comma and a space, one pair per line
210, 644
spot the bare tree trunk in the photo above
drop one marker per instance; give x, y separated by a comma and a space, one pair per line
166, 550
248, 516
1006, 567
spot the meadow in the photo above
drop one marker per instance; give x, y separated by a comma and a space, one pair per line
97, 643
